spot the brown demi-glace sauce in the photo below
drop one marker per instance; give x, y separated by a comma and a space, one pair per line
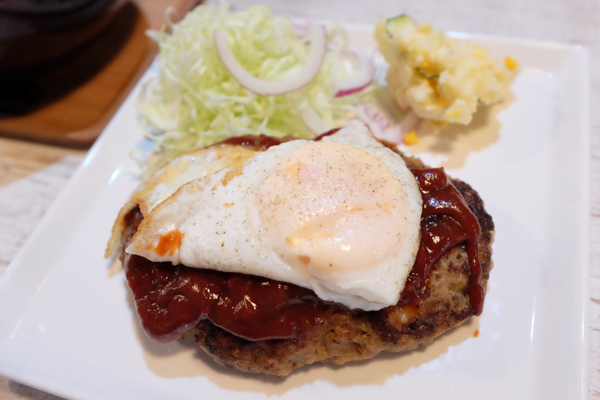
446, 221
172, 299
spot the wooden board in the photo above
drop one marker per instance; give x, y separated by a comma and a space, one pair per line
90, 85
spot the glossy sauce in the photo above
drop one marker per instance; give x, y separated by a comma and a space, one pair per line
172, 299
328, 133
261, 142
446, 222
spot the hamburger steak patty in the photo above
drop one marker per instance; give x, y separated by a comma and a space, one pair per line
343, 335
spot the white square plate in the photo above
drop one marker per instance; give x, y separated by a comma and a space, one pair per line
67, 324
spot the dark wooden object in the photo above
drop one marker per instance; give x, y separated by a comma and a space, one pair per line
68, 97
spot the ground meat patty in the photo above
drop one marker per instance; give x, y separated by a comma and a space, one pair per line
343, 336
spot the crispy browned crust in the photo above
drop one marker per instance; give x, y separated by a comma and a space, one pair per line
344, 336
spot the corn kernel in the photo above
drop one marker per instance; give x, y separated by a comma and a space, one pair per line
510, 63
457, 113
411, 138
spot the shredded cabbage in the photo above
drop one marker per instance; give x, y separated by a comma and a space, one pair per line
195, 102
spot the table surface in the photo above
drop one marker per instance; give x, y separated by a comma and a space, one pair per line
32, 175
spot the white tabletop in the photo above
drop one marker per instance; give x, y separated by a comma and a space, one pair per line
32, 175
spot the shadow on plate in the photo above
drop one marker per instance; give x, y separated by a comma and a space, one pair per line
183, 358
456, 142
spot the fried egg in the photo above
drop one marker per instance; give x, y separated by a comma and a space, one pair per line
340, 216
190, 166
170, 177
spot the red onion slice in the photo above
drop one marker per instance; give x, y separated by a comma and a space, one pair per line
354, 83
261, 87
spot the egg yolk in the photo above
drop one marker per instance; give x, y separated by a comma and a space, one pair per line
329, 208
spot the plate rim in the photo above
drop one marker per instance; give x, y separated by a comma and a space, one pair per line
91, 158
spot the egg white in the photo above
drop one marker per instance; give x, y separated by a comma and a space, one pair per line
189, 166
236, 220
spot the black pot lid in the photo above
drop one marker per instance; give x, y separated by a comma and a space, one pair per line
37, 7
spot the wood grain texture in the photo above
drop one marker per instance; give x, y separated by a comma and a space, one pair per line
42, 171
